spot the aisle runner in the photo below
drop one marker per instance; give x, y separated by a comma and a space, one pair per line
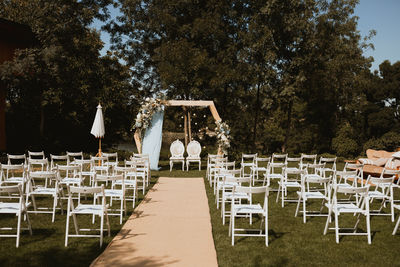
172, 226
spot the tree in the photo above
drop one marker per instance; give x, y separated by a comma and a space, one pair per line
53, 88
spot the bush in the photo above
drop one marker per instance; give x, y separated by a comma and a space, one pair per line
345, 144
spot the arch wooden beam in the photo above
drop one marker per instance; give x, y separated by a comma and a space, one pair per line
183, 103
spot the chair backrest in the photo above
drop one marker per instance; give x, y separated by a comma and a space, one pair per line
379, 181
330, 163
276, 157
239, 180
16, 192
293, 161
99, 160
111, 156
72, 156
315, 168
36, 155
65, 171
273, 167
11, 159
16, 170
390, 172
352, 190
249, 157
177, 148
308, 159
35, 163
259, 161
193, 149
109, 178
57, 159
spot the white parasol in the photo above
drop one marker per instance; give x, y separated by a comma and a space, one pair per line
98, 126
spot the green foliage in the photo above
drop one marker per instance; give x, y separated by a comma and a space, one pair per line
54, 87
345, 144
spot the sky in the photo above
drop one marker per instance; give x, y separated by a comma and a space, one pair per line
383, 16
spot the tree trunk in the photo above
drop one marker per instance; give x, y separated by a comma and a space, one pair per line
288, 126
41, 127
256, 114
190, 127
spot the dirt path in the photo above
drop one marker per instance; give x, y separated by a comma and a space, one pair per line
171, 227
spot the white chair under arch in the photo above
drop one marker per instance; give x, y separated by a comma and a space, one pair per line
193, 149
177, 149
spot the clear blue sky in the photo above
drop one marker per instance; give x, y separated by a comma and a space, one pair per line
380, 15
384, 17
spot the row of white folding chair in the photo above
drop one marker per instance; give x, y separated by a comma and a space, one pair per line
211, 161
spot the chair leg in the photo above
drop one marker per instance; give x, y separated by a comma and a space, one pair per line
18, 229
298, 206
101, 229
233, 230
66, 229
304, 211
368, 228
396, 226
337, 227
266, 229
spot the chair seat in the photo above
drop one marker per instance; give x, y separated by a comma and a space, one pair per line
292, 169
346, 208
229, 195
377, 194
312, 195
290, 184
88, 173
176, 158
43, 191
88, 209
113, 192
11, 208
274, 176
127, 182
14, 180
260, 169
248, 208
69, 181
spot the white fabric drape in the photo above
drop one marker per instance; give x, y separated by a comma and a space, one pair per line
153, 138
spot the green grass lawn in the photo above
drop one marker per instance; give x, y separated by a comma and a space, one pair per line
291, 241
46, 246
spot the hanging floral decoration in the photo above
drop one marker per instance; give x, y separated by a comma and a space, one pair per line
223, 136
146, 112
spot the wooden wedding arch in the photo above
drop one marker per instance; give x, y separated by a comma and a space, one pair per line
187, 128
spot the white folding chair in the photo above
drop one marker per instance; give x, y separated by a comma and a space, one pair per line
337, 208
248, 162
293, 164
220, 177
16, 207
249, 209
291, 179
86, 168
69, 175
86, 209
227, 193
130, 175
117, 191
112, 160
177, 149
38, 185
14, 174
215, 165
383, 191
306, 194
193, 150
330, 165
275, 170
145, 158
140, 173
261, 165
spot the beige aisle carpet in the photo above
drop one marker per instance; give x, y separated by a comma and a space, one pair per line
170, 227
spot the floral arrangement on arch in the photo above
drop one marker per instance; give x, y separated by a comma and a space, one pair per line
146, 112
223, 137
